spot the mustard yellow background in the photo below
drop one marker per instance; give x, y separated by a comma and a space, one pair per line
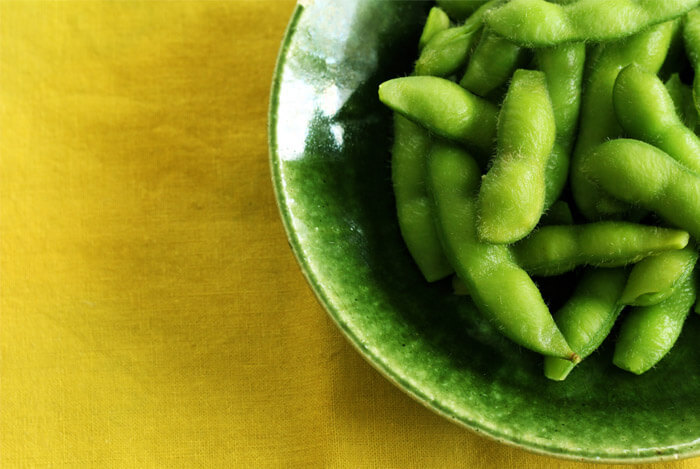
152, 314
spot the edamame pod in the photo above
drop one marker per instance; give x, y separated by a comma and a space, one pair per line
437, 21
638, 173
448, 50
511, 199
445, 108
538, 23
460, 9
656, 278
649, 332
498, 286
646, 112
563, 67
586, 319
691, 39
675, 57
413, 207
552, 250
682, 96
556, 173
598, 122
492, 64
558, 214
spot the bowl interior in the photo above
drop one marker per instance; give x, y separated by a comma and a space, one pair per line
329, 141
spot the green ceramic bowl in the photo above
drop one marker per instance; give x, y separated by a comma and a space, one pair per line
329, 146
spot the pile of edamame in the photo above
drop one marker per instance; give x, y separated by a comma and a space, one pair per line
535, 138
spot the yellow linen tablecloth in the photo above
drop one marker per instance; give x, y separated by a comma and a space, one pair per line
152, 314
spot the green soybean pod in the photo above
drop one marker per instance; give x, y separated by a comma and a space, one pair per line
587, 317
598, 122
656, 278
649, 332
414, 209
511, 199
675, 57
682, 96
691, 39
556, 174
460, 9
552, 250
437, 21
563, 67
498, 286
639, 173
491, 65
646, 112
448, 50
538, 23
558, 214
445, 108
